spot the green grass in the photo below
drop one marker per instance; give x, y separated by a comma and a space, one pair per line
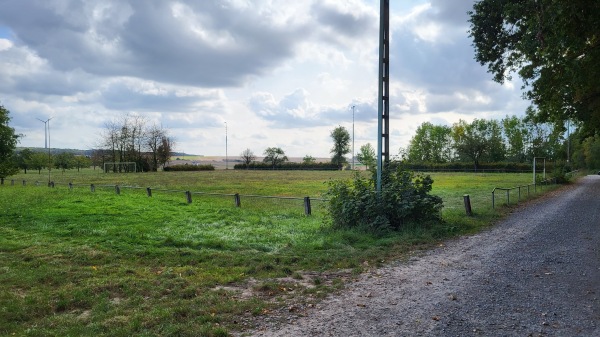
73, 262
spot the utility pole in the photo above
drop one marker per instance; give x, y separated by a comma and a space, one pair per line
383, 127
353, 165
226, 159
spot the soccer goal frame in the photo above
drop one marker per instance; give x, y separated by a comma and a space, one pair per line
120, 167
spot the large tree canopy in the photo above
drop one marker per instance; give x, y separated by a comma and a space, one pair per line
553, 46
341, 146
8, 143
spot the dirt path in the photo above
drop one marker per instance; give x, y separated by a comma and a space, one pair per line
537, 273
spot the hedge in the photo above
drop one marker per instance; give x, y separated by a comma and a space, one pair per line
187, 167
287, 166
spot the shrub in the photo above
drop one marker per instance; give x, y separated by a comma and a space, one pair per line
187, 167
404, 199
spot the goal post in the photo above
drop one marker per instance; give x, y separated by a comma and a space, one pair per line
120, 167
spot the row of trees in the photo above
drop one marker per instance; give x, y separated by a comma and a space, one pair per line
511, 139
275, 156
132, 139
26, 159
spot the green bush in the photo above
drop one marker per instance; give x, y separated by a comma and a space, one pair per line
187, 167
404, 199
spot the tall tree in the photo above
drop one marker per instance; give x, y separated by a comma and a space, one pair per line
496, 146
165, 150
366, 156
471, 140
274, 156
8, 143
430, 144
80, 162
515, 133
341, 146
64, 161
24, 159
38, 161
154, 139
554, 46
247, 157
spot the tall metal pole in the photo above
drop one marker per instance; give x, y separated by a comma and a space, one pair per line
383, 128
49, 157
226, 159
353, 153
568, 142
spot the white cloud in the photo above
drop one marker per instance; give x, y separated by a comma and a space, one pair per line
280, 73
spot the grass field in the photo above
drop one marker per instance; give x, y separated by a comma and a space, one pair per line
73, 262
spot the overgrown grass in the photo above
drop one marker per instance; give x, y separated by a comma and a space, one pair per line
73, 262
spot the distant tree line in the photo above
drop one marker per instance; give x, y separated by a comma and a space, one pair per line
28, 159
275, 158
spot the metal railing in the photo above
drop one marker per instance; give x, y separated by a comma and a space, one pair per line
541, 184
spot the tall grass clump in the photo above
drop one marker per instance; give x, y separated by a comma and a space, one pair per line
404, 199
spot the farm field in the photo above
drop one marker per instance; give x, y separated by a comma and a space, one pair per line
73, 262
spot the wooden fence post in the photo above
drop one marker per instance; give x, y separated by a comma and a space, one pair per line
71, 186
117, 189
24, 183
93, 188
149, 191
12, 182
467, 200
307, 209
188, 195
493, 199
1, 181
237, 200
507, 197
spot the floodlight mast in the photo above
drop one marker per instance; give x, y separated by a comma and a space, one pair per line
383, 127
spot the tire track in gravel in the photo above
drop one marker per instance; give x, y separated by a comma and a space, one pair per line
536, 273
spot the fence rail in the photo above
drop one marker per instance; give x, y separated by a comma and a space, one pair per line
237, 198
519, 188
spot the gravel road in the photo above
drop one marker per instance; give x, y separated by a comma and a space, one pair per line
536, 273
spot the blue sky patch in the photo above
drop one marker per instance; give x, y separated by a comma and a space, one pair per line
5, 33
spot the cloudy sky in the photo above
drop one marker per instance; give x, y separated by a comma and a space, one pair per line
273, 72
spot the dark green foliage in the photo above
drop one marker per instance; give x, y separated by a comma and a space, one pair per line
341, 146
503, 167
552, 46
8, 143
404, 199
187, 167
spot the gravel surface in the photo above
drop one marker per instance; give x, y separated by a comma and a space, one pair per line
536, 273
